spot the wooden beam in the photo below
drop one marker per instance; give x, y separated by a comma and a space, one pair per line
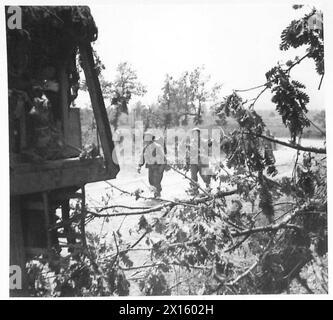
57, 174
98, 106
23, 131
64, 87
17, 252
83, 218
33, 252
65, 210
75, 133
47, 220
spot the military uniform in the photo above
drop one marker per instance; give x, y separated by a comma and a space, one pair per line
198, 160
154, 158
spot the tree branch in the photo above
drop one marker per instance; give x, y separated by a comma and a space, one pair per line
133, 213
321, 81
258, 96
132, 194
284, 224
244, 274
289, 145
100, 209
269, 228
298, 61
253, 88
163, 264
188, 178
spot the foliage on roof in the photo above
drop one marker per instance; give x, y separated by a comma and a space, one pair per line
48, 40
70, 21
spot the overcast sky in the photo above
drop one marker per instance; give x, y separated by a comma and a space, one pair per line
237, 43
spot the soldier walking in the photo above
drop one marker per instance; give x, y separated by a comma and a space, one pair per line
198, 160
154, 157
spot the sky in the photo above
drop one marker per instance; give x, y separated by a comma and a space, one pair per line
237, 44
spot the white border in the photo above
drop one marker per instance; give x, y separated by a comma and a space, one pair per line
4, 194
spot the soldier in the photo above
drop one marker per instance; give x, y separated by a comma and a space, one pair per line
197, 158
154, 157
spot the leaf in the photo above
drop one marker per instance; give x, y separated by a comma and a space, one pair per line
143, 223
126, 260
122, 284
266, 202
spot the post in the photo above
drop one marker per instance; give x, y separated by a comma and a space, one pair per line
64, 102
65, 208
83, 217
17, 250
47, 220
98, 106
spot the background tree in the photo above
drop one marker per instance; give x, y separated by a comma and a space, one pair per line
320, 118
120, 91
185, 99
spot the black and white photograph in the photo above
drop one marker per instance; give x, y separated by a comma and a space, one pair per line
166, 149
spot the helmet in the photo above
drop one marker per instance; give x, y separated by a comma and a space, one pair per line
148, 136
195, 129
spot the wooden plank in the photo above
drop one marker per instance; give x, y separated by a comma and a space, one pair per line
68, 231
69, 235
47, 220
97, 102
75, 137
31, 251
17, 252
64, 87
34, 226
34, 205
53, 164
23, 131
65, 194
73, 173
83, 218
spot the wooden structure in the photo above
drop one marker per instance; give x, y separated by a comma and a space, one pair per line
58, 37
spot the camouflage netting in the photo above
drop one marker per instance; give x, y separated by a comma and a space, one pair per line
49, 37
38, 54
